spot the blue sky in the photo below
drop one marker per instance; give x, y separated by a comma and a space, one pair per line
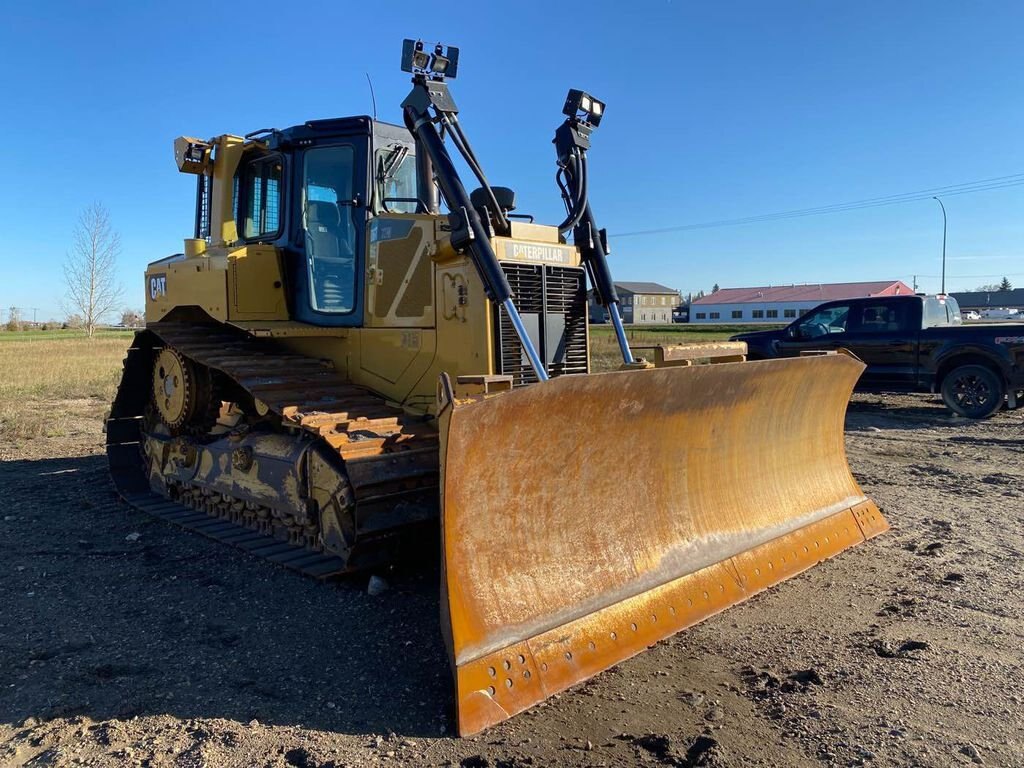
715, 111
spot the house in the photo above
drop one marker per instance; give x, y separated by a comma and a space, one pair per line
783, 303
640, 304
979, 300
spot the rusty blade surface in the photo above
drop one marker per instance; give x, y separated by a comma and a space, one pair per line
587, 517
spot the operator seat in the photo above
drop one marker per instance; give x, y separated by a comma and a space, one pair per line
331, 260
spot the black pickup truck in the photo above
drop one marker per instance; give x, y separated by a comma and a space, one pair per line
910, 343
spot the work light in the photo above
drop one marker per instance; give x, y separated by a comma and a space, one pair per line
442, 63
578, 102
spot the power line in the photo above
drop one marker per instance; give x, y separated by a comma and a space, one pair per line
971, 277
980, 185
838, 208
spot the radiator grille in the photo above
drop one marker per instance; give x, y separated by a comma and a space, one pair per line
553, 303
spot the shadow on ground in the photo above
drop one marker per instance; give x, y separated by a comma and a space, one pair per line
172, 623
914, 411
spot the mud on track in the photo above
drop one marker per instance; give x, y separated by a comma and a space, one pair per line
171, 650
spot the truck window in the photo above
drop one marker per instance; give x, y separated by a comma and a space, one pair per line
883, 317
824, 322
953, 311
941, 311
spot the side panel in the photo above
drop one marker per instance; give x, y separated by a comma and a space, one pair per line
399, 272
393, 360
389, 360
197, 282
255, 284
465, 330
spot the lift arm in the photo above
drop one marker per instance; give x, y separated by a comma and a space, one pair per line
428, 103
572, 140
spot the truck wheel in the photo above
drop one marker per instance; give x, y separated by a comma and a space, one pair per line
973, 391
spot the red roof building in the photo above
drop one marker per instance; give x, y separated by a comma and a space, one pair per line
783, 303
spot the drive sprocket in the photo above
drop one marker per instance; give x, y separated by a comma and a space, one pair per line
182, 393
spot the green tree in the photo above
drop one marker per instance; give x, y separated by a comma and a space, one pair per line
1005, 285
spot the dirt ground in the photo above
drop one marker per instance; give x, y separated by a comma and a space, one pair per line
166, 649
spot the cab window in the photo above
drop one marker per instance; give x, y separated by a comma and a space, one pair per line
261, 186
396, 179
329, 225
824, 322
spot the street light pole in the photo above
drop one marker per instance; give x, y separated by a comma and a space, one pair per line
943, 289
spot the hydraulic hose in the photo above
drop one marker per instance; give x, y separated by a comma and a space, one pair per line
476, 238
463, 145
578, 182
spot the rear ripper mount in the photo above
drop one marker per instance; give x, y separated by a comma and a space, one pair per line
361, 476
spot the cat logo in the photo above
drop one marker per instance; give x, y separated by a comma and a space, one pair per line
157, 286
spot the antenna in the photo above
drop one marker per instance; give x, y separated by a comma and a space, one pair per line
372, 97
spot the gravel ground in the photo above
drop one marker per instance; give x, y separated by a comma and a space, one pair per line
124, 641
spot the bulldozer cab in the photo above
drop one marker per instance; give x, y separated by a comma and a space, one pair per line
310, 190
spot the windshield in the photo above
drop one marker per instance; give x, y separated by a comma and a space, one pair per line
396, 179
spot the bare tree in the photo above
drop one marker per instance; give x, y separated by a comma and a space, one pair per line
89, 271
133, 318
13, 319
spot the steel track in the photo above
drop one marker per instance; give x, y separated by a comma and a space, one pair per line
390, 458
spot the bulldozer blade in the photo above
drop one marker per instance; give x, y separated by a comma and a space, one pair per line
588, 517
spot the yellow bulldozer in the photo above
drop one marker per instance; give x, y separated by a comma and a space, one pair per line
335, 370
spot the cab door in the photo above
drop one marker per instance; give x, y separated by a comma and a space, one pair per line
332, 223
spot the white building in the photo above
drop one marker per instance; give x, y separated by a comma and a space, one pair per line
783, 303
640, 304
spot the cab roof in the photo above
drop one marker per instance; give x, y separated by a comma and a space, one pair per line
317, 130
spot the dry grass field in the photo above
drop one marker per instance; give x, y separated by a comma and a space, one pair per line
604, 350
47, 378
